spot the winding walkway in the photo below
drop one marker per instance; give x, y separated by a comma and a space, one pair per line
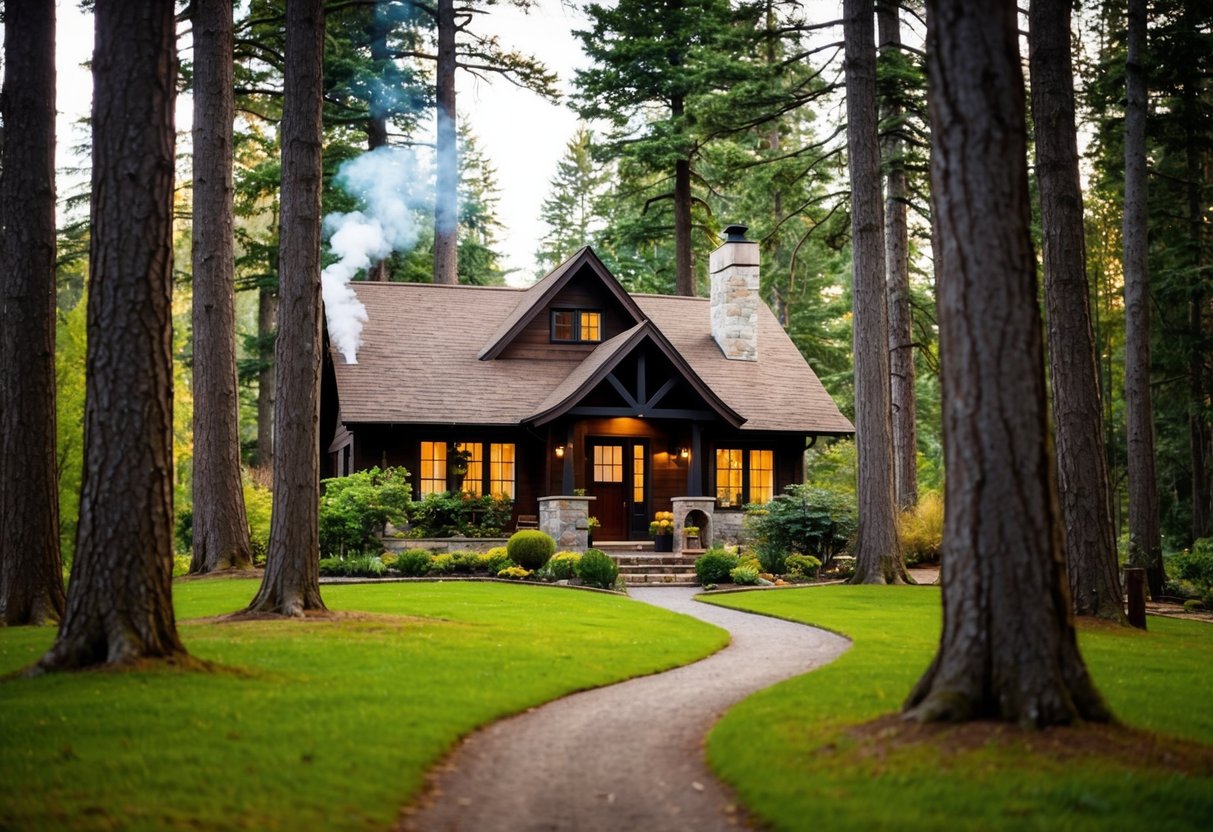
625, 757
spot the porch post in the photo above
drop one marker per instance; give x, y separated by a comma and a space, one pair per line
567, 484
695, 469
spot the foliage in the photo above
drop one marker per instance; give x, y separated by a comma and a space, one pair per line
333, 690
258, 506
563, 565
744, 575
1196, 566
714, 565
530, 548
569, 211
798, 749
841, 567
181, 565
920, 529
447, 514
354, 509
515, 573
804, 520
597, 568
443, 564
802, 566
465, 563
356, 566
494, 560
413, 563
70, 345
662, 524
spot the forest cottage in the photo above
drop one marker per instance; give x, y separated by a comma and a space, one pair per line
645, 402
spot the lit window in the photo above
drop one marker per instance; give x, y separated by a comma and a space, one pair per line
576, 326
473, 480
762, 476
433, 468
501, 470
608, 463
638, 473
729, 467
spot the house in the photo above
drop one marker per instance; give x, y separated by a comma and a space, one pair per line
576, 398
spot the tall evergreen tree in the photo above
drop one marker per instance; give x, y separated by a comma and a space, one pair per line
570, 210
1008, 649
877, 551
220, 529
119, 606
1077, 413
31, 579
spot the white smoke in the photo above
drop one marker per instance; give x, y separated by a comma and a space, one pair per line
388, 183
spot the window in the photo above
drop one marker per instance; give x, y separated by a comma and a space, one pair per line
473, 480
608, 463
762, 476
744, 476
501, 470
576, 326
638, 473
433, 468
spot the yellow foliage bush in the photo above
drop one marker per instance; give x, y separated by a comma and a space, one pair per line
920, 529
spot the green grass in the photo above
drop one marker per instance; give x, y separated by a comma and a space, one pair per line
326, 724
794, 759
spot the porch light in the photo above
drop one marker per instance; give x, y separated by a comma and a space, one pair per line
560, 451
684, 452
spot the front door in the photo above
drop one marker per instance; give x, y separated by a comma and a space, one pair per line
618, 477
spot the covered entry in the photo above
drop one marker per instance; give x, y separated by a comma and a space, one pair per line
617, 474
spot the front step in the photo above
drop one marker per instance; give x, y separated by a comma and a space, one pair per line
649, 567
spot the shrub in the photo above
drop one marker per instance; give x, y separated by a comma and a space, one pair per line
360, 566
354, 509
744, 575
920, 529
1195, 565
181, 565
413, 563
563, 565
258, 504
531, 548
597, 568
514, 573
803, 566
389, 559
442, 564
494, 560
843, 566
805, 521
465, 563
449, 514
714, 565
1194, 605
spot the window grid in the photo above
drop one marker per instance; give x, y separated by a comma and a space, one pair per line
433, 468
608, 463
729, 467
638, 473
762, 476
501, 470
591, 326
576, 326
473, 481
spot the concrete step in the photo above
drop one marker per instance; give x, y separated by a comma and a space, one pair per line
672, 579
645, 569
658, 559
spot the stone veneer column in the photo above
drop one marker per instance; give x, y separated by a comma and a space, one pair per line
734, 297
681, 507
566, 520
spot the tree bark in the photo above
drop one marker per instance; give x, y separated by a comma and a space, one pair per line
446, 217
31, 572
684, 265
878, 557
1145, 544
897, 269
292, 575
119, 606
1008, 649
220, 528
267, 317
1090, 543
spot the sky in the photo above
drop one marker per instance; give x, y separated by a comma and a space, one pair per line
523, 135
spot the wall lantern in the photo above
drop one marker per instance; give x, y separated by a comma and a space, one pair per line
684, 453
560, 451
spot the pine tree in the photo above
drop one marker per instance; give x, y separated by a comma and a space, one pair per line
570, 210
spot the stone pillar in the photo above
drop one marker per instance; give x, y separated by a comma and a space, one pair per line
734, 297
682, 506
566, 520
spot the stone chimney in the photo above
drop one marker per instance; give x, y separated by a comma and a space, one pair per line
735, 299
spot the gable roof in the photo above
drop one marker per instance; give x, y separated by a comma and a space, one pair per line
422, 345
537, 296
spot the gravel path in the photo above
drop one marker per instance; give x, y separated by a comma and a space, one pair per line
625, 757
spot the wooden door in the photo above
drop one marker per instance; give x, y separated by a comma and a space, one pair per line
617, 476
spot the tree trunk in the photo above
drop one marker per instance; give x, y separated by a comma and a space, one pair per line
1198, 420
897, 269
221, 537
684, 265
1008, 649
1145, 545
376, 128
31, 573
292, 572
877, 551
267, 317
1090, 544
446, 217
119, 606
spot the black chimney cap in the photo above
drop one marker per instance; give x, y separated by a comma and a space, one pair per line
735, 233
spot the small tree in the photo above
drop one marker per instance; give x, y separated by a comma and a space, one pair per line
355, 509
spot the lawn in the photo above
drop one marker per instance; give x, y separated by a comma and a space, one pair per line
796, 757
308, 724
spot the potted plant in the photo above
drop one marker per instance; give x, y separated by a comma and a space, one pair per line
661, 529
692, 534
457, 466
591, 523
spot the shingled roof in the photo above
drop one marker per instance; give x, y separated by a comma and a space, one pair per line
420, 362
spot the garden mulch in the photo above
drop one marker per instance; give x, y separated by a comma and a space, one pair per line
628, 756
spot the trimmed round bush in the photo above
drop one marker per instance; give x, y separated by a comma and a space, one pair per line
714, 565
744, 575
596, 568
530, 548
803, 566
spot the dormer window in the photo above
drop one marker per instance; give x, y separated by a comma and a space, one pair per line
576, 326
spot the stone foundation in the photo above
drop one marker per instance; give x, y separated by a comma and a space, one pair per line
566, 520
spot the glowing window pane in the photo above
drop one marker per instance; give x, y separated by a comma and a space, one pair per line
638, 473
433, 468
591, 326
473, 480
728, 476
608, 463
501, 470
762, 476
